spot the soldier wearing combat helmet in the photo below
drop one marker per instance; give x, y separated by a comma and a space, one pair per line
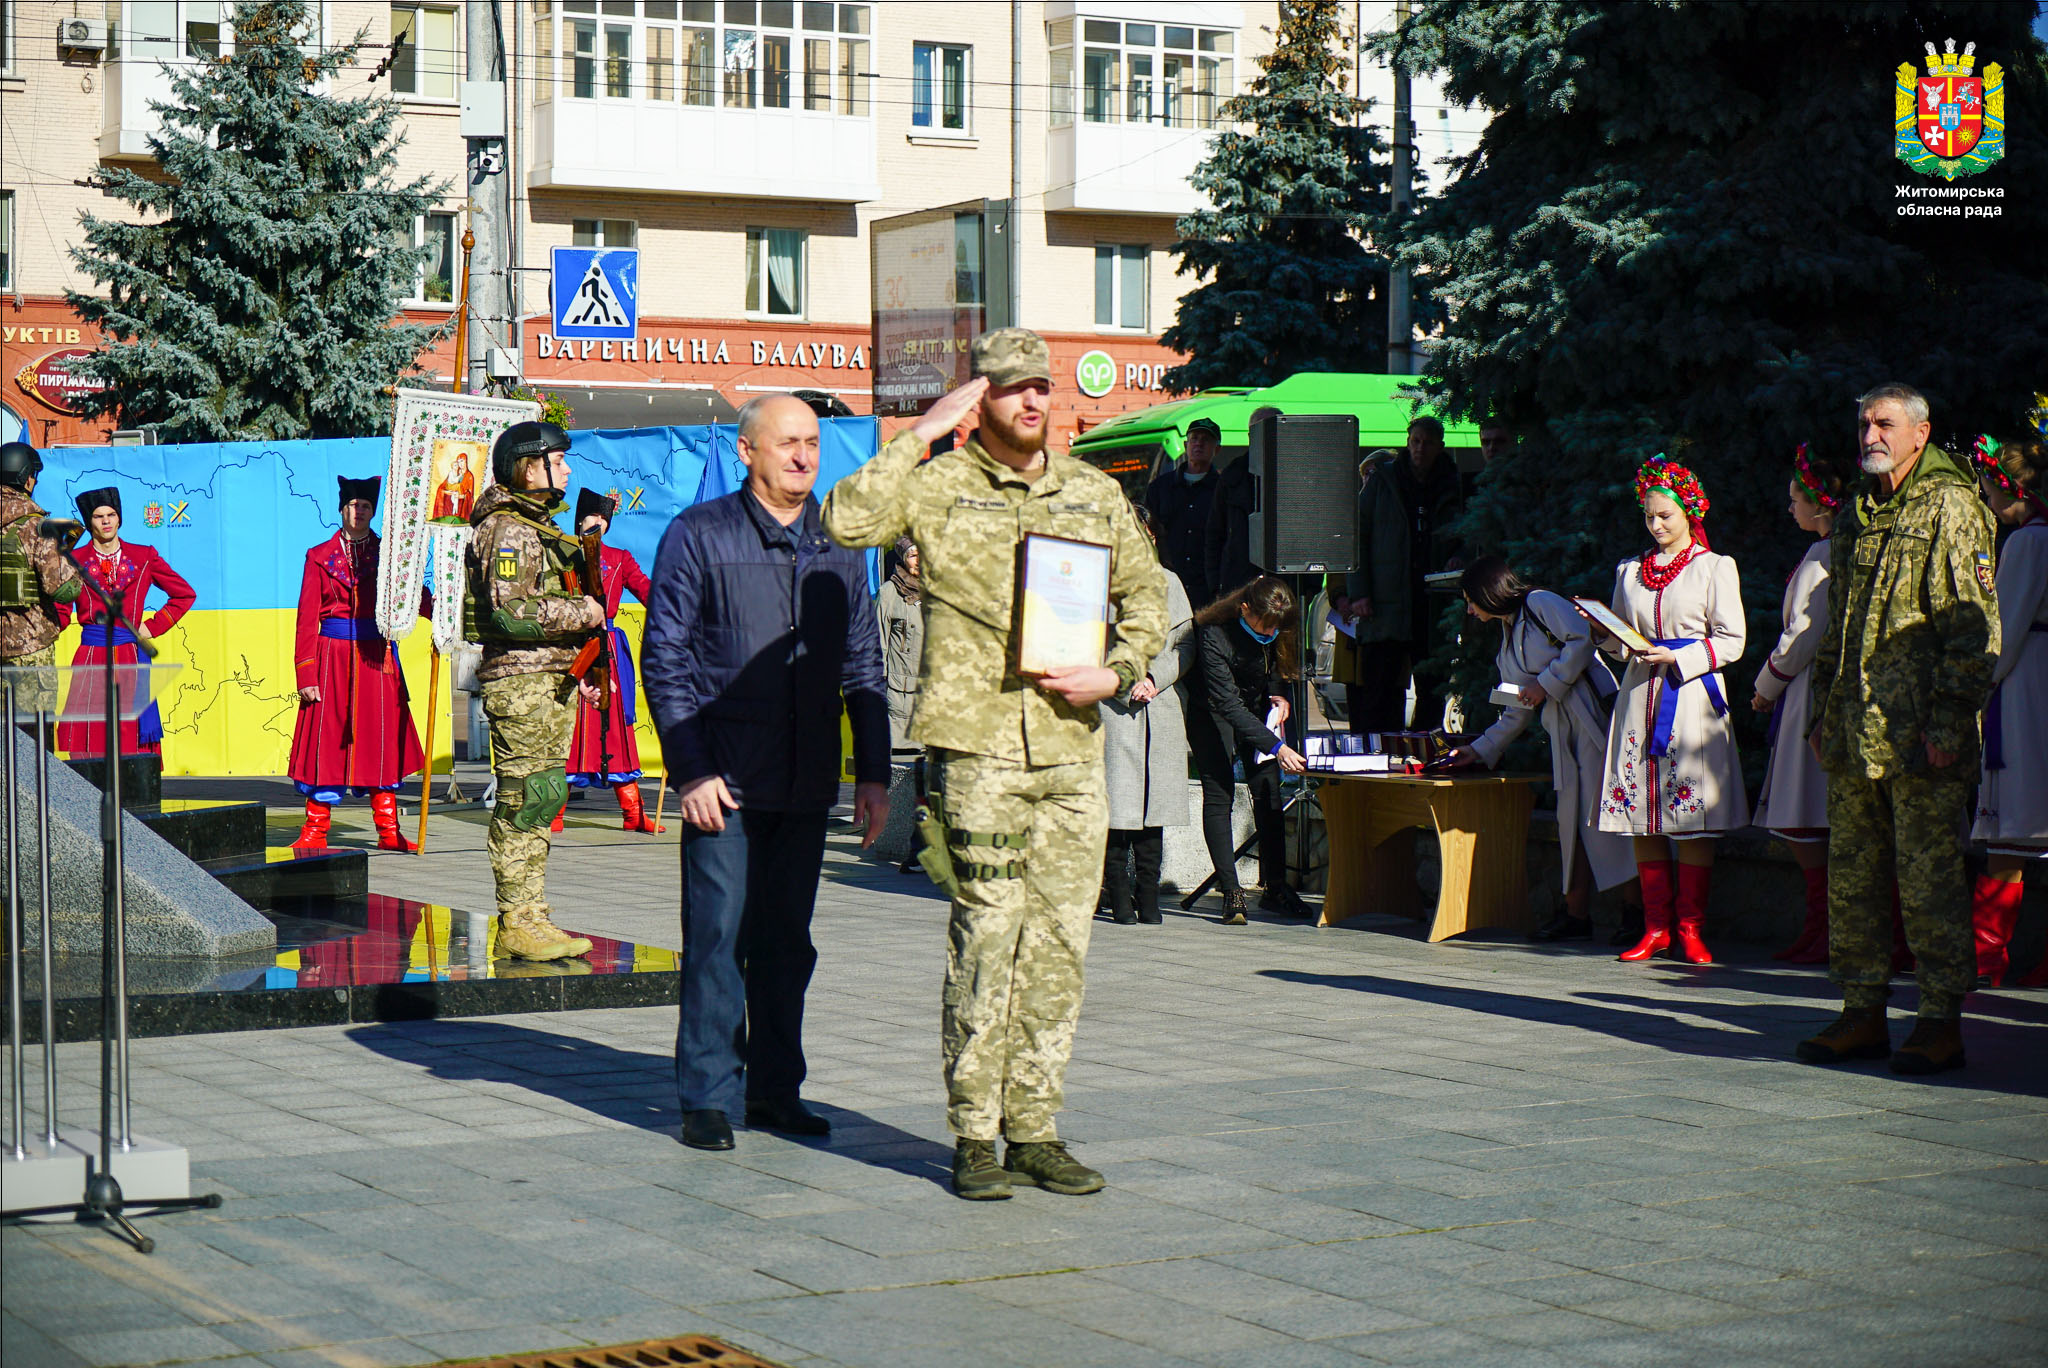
1903, 667
1015, 773
527, 605
35, 574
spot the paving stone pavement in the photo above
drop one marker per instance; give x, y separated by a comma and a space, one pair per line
1323, 1147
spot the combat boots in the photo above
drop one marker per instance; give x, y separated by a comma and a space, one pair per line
976, 1174
526, 933
313, 835
384, 812
1858, 1033
1046, 1164
1935, 1045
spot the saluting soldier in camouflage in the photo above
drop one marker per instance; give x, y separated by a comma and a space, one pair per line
1015, 771
531, 624
35, 575
1903, 668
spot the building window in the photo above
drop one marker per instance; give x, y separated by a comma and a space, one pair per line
437, 275
605, 233
775, 272
202, 29
938, 87
1175, 75
423, 51
1122, 272
6, 239
741, 54
7, 40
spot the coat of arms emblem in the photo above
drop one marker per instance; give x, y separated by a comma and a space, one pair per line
1949, 123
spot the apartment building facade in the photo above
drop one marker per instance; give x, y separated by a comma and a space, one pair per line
745, 148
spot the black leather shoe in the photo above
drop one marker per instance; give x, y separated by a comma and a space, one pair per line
1563, 927
707, 1130
791, 1117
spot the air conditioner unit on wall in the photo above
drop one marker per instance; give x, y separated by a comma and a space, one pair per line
82, 35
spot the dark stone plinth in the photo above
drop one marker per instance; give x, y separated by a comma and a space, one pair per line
386, 959
142, 778
206, 830
280, 879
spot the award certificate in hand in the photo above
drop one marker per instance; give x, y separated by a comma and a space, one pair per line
1598, 613
1063, 588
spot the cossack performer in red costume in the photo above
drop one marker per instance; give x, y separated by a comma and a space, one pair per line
131, 572
355, 733
603, 750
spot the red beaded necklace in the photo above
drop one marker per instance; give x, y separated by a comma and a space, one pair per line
1660, 579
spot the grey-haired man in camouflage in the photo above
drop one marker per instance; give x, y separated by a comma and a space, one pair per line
1016, 762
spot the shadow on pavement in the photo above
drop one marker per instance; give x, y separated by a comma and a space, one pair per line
626, 1086
2004, 1052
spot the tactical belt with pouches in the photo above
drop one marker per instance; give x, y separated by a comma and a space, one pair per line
945, 868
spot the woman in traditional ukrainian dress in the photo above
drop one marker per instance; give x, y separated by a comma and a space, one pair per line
129, 573
2012, 793
1546, 649
354, 734
603, 752
1673, 776
1794, 803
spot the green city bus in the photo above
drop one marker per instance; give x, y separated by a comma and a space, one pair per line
1134, 447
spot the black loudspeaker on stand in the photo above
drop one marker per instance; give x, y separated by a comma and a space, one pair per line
1304, 493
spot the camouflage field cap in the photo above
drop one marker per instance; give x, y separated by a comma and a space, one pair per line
1010, 356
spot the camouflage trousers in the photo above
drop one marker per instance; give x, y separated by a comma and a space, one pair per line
532, 717
36, 695
1905, 834
1018, 935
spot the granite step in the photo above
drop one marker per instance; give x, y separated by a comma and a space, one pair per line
207, 830
280, 879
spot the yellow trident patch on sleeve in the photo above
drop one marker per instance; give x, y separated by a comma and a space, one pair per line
508, 563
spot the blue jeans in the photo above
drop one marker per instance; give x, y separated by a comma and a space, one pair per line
748, 892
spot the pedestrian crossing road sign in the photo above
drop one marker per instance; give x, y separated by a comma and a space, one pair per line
597, 291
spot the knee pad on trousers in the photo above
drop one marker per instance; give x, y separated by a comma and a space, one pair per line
546, 791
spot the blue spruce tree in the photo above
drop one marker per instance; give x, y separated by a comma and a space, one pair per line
1286, 281
1681, 231
256, 298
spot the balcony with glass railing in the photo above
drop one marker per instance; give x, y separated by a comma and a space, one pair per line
1135, 107
748, 98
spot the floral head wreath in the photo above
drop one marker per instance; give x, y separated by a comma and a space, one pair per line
1984, 456
1662, 475
1803, 472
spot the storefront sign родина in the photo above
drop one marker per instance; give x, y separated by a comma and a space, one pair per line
48, 382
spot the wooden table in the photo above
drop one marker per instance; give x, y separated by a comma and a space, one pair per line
1481, 823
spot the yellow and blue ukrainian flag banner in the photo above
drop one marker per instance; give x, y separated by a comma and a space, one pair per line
237, 518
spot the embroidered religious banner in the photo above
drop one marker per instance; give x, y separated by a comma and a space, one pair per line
440, 465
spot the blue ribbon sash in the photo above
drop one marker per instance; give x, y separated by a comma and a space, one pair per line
349, 629
622, 660
1667, 704
149, 725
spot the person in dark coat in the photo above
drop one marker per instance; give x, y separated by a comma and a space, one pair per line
1227, 548
1179, 499
758, 628
1250, 649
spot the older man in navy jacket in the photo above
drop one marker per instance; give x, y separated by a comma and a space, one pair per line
758, 627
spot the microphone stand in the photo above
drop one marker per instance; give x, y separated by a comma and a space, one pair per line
102, 1200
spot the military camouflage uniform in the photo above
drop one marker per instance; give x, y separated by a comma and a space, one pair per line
1016, 773
35, 576
1911, 638
531, 625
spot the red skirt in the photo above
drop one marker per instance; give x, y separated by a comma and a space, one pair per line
360, 734
587, 767
87, 697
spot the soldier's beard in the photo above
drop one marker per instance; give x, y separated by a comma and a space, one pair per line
1878, 461
1025, 442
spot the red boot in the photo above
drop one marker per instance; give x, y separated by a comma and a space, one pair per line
384, 812
1694, 883
635, 810
1993, 912
1812, 945
556, 825
313, 835
1658, 897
